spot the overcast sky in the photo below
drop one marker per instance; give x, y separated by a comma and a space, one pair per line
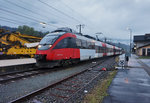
111, 17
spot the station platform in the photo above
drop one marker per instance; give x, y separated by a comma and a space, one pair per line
131, 84
12, 62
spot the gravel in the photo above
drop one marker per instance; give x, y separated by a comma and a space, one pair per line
80, 84
13, 90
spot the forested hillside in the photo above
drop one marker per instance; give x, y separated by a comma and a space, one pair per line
26, 30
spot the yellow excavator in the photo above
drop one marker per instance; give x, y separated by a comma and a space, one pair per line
17, 44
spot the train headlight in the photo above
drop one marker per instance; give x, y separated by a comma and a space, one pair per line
50, 45
39, 46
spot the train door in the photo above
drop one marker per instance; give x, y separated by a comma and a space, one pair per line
60, 50
71, 47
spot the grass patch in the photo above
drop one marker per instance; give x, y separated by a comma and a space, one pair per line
100, 91
144, 57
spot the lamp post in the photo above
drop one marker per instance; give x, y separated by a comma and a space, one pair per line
130, 38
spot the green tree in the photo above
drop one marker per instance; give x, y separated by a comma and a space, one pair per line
30, 31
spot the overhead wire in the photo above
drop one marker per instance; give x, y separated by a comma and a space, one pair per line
59, 11
24, 16
33, 19
53, 14
30, 11
9, 21
12, 20
24, 8
19, 15
85, 19
72, 9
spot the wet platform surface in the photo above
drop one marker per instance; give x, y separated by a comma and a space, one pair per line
131, 85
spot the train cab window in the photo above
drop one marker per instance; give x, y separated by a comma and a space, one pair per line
49, 39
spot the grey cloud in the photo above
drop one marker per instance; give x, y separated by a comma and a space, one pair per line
111, 17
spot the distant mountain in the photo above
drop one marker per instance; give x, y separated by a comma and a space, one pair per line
26, 30
121, 45
8, 28
124, 46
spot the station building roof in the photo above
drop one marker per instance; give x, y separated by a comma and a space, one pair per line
142, 38
144, 45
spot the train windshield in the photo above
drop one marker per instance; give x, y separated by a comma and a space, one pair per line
49, 39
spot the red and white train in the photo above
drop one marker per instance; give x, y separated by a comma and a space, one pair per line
64, 46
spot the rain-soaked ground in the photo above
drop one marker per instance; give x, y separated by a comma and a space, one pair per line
131, 85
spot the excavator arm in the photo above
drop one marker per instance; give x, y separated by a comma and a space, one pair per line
15, 43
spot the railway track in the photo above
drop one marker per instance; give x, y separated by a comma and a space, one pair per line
19, 75
65, 89
8, 77
5, 78
60, 80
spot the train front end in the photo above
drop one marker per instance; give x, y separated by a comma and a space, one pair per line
44, 51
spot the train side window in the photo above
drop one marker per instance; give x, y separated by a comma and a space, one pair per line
106, 50
96, 47
93, 45
84, 44
78, 43
89, 45
100, 49
103, 49
71, 42
62, 44
114, 50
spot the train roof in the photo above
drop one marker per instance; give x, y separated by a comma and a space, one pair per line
65, 29
86, 37
90, 37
